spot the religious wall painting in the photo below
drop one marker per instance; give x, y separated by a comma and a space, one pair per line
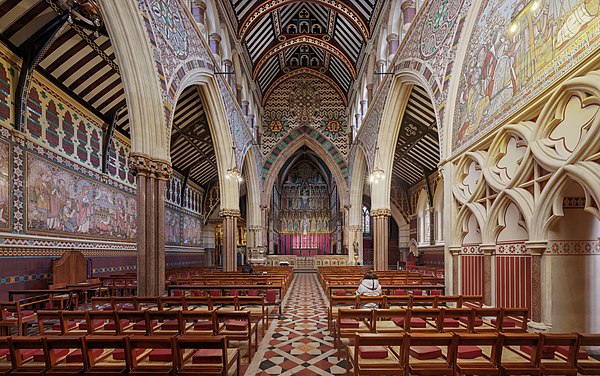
192, 230
516, 50
5, 185
172, 226
60, 201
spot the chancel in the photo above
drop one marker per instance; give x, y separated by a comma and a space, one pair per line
201, 186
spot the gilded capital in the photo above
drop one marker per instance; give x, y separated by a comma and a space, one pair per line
146, 166
381, 213
230, 213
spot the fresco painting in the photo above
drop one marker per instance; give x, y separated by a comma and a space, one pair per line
172, 226
4, 185
514, 48
63, 202
192, 230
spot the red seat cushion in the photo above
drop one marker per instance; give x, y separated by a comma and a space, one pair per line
77, 357
234, 292
425, 352
236, 325
38, 356
465, 320
349, 323
468, 352
141, 325
271, 296
197, 293
4, 352
25, 354
435, 292
449, 322
160, 355
252, 292
506, 323
112, 326
547, 351
564, 350
417, 322
400, 292
208, 356
203, 325
177, 293
214, 292
119, 354
170, 325
95, 324
417, 292
372, 352
340, 292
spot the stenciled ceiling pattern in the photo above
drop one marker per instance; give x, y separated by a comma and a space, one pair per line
327, 36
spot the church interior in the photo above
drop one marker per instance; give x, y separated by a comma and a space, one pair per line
299, 187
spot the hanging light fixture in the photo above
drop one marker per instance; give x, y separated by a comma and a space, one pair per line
377, 175
234, 173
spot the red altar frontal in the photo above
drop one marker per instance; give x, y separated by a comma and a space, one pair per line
305, 244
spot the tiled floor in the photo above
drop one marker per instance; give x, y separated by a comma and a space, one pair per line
299, 343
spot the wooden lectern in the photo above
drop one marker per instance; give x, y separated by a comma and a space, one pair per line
70, 269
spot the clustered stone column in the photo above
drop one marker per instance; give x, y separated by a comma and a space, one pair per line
536, 250
151, 178
409, 11
393, 42
230, 218
381, 229
488, 251
455, 252
228, 68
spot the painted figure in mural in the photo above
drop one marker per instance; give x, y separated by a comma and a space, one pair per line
42, 191
83, 209
68, 217
120, 216
58, 197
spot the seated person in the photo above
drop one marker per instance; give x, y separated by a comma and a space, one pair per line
247, 268
369, 286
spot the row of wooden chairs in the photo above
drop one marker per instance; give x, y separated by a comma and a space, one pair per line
118, 355
235, 325
401, 301
472, 354
14, 315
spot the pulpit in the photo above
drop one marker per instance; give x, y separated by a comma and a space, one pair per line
70, 268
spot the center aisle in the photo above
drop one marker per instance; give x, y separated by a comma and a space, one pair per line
300, 343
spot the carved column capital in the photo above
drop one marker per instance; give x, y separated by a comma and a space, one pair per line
536, 248
381, 213
230, 213
487, 249
146, 166
216, 37
454, 250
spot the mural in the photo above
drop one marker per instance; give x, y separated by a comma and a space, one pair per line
4, 185
62, 202
192, 230
172, 227
519, 47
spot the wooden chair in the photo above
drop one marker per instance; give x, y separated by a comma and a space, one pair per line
257, 308
103, 322
27, 355
376, 354
5, 362
450, 301
470, 301
80, 319
50, 323
477, 354
198, 302
513, 320
224, 303
74, 363
335, 304
103, 303
423, 320
13, 316
101, 358
171, 303
587, 365
125, 303
429, 354
349, 322
424, 301
133, 322
165, 322
153, 355
61, 300
486, 320
390, 320
455, 320
273, 299
371, 302
146, 303
198, 322
398, 301
515, 359
554, 363
208, 356
237, 326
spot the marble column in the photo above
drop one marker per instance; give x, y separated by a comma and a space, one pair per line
151, 178
198, 11
381, 229
214, 40
536, 250
393, 42
455, 252
409, 10
230, 218
488, 251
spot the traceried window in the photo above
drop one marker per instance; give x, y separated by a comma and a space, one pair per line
366, 220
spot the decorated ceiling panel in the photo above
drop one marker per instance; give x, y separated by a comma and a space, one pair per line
327, 36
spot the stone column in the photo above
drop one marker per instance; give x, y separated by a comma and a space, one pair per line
198, 11
369, 92
245, 105
265, 229
536, 250
381, 68
228, 68
409, 10
381, 229
151, 178
230, 217
363, 108
432, 225
455, 252
393, 42
357, 117
250, 120
488, 251
214, 40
